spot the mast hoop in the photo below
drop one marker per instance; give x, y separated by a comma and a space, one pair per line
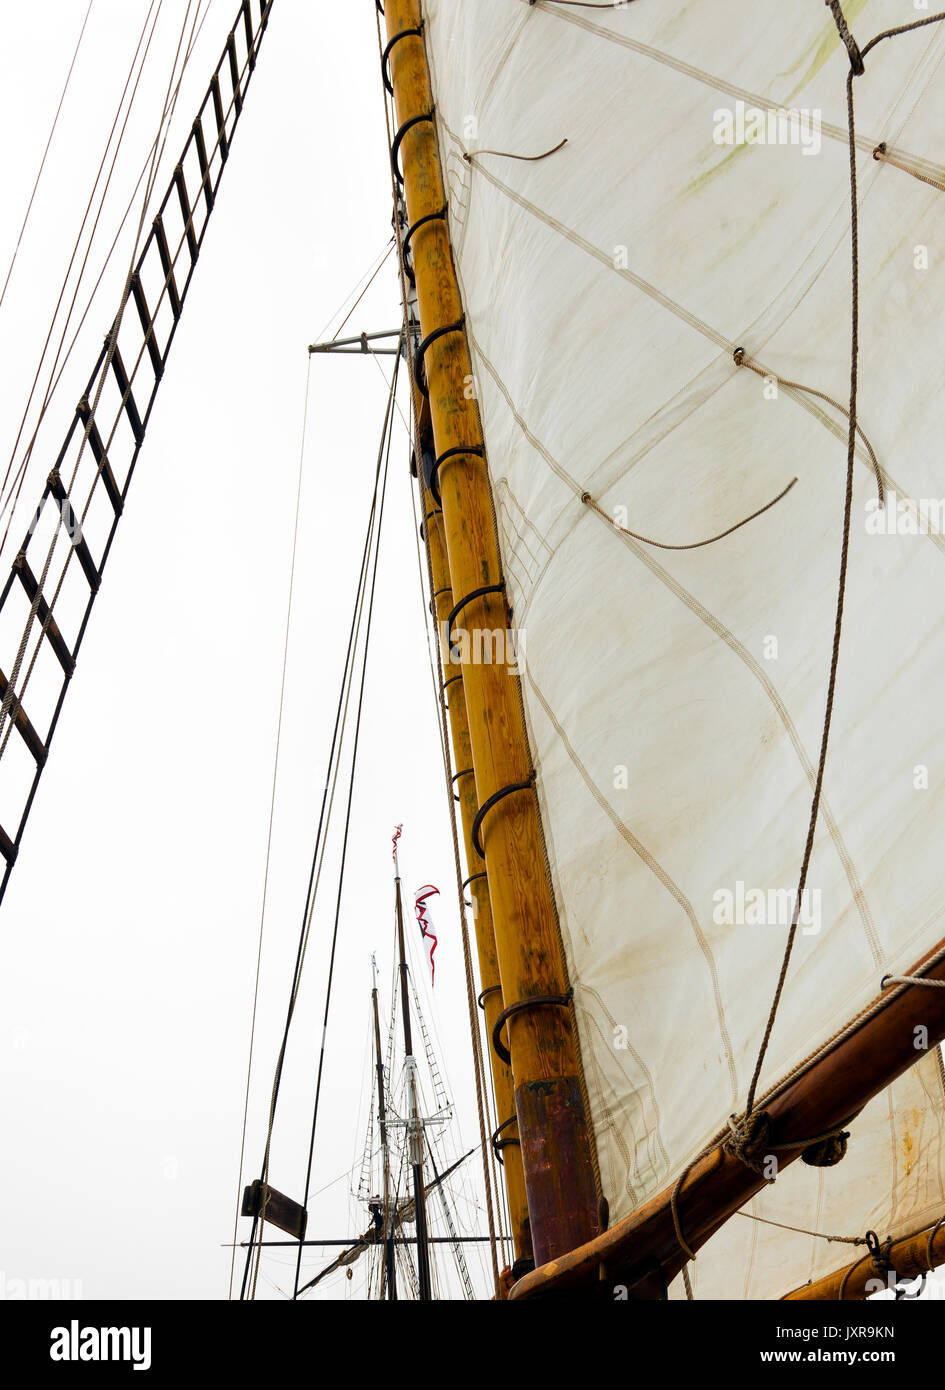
499, 1144
490, 989
439, 216
474, 593
492, 801
402, 131
416, 32
477, 449
558, 1000
419, 370
442, 689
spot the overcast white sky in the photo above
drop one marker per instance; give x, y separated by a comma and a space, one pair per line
129, 930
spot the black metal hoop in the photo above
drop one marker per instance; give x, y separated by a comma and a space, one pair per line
499, 1144
491, 989
447, 590
433, 484
395, 147
404, 34
492, 801
419, 370
561, 1000
476, 593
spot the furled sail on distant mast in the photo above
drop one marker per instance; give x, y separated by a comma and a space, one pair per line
675, 689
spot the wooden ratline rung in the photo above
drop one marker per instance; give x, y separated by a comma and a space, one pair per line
201, 147
234, 72
186, 211
250, 39
7, 847
147, 325
84, 412
44, 615
23, 726
79, 543
160, 238
218, 115
124, 386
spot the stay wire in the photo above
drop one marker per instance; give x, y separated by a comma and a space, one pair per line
389, 432
272, 810
844, 551
42, 163
340, 716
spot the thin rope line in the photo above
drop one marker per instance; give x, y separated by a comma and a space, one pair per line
841, 593
588, 500
272, 809
506, 154
389, 430
820, 1235
910, 980
742, 359
42, 163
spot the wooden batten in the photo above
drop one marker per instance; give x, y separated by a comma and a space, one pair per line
838, 1084
553, 1127
907, 1259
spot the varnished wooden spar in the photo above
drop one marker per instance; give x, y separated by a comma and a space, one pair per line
465, 783
907, 1259
552, 1124
642, 1252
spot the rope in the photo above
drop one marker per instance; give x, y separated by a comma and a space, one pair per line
910, 980
820, 1235
272, 808
327, 803
742, 360
389, 432
588, 501
42, 163
841, 593
880, 153
505, 154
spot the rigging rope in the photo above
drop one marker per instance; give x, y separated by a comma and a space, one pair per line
42, 163
844, 551
327, 802
272, 808
588, 501
388, 428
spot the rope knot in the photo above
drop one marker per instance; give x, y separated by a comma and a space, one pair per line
738, 356
750, 1141
827, 1152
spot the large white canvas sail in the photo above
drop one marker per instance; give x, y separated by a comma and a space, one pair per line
675, 698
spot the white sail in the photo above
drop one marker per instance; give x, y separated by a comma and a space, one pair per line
675, 698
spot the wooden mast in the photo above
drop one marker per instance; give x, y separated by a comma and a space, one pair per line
491, 998
414, 1121
553, 1127
390, 1273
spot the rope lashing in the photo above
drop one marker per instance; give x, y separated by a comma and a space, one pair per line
750, 1141
470, 155
931, 1237
741, 359
881, 153
589, 501
856, 59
